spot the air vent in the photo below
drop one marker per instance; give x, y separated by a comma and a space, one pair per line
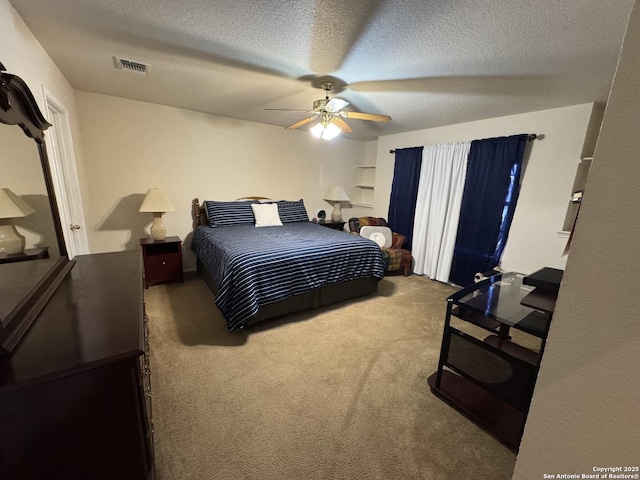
131, 65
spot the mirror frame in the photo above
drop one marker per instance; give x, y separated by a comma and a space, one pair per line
19, 107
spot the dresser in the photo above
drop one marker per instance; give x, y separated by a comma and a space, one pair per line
75, 396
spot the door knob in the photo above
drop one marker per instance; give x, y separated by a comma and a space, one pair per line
74, 227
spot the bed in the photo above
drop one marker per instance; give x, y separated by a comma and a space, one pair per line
260, 273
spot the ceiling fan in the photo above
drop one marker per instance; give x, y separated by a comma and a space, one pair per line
330, 114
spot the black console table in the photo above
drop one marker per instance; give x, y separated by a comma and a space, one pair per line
490, 378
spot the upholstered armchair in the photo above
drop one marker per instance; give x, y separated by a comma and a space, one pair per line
396, 258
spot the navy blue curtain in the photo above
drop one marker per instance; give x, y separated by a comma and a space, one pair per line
489, 200
404, 192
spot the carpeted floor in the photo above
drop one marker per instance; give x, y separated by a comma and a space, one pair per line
335, 393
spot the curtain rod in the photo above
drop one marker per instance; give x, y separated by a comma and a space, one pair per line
530, 138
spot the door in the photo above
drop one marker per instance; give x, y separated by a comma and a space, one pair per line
65, 177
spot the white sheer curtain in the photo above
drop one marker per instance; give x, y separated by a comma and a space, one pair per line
438, 208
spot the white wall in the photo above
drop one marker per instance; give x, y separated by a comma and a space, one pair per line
131, 146
547, 181
192, 155
584, 412
22, 55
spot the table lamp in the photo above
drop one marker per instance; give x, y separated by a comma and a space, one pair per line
11, 206
336, 195
157, 202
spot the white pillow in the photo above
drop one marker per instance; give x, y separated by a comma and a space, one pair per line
266, 214
380, 235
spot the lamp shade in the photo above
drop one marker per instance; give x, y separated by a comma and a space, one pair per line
156, 201
12, 206
336, 194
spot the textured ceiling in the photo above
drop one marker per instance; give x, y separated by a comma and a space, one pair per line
425, 63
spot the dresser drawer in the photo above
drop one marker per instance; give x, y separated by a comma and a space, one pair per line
163, 267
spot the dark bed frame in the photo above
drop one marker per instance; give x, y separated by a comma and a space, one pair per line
315, 298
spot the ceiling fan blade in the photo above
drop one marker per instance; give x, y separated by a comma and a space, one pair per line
300, 123
286, 110
367, 116
342, 124
336, 104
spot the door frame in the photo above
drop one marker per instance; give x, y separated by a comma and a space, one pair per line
65, 175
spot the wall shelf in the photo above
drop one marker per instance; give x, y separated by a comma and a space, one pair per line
363, 205
579, 184
363, 185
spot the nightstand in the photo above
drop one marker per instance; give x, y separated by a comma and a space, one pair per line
334, 225
162, 260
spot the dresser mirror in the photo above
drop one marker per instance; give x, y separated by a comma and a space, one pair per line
27, 278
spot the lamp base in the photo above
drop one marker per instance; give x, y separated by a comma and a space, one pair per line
11, 242
336, 214
158, 230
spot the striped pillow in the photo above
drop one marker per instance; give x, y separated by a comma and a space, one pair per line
292, 211
228, 214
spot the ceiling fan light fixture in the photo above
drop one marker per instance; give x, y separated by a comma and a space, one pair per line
325, 131
330, 115
316, 130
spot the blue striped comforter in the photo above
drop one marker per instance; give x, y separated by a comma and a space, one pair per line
255, 266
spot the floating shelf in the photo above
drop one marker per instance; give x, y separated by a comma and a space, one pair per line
364, 205
579, 184
363, 185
